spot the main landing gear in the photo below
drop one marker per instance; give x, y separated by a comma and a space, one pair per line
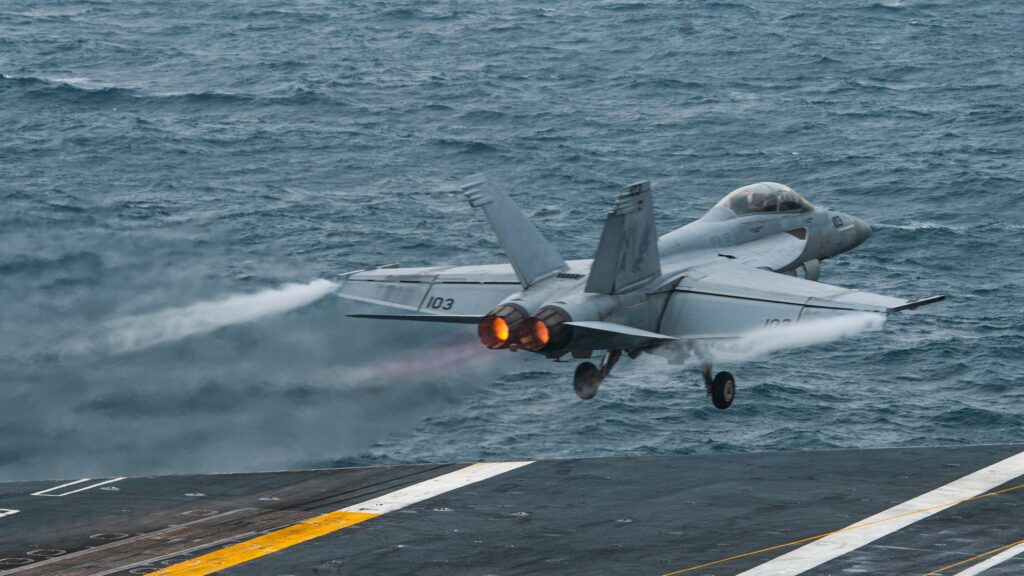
588, 377
721, 388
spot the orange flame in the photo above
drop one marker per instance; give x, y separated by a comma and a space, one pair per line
540, 332
493, 332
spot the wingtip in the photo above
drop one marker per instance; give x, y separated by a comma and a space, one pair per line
914, 304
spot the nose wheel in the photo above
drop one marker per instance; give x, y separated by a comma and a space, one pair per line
588, 377
721, 388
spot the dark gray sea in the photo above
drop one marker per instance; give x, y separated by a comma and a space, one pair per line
167, 169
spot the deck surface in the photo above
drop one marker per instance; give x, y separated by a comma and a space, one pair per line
721, 514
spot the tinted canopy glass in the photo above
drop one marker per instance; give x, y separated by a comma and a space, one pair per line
764, 197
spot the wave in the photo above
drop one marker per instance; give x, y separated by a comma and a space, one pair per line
65, 85
628, 6
80, 263
482, 116
899, 5
891, 5
466, 146
76, 87
917, 225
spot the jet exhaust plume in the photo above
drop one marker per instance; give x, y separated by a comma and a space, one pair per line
421, 365
142, 331
764, 341
345, 384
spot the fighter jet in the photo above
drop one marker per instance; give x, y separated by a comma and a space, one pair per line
734, 270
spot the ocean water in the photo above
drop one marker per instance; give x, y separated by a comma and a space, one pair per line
179, 180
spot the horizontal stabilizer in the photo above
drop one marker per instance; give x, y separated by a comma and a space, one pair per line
611, 336
444, 318
627, 254
918, 303
531, 256
613, 328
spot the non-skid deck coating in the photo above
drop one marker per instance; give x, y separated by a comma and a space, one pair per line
722, 514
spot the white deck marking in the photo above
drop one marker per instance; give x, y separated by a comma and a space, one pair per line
434, 487
49, 491
993, 561
7, 512
884, 523
329, 523
43, 492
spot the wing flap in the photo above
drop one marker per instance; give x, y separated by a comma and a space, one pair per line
442, 318
756, 284
731, 300
447, 290
406, 296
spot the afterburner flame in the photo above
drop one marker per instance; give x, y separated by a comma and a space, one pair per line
497, 328
500, 329
540, 332
493, 332
534, 334
546, 330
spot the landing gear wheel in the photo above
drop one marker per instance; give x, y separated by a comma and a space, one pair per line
723, 390
586, 380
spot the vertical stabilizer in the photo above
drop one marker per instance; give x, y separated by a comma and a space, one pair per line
532, 257
627, 255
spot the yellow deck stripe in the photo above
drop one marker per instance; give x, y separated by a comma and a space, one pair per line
266, 544
332, 522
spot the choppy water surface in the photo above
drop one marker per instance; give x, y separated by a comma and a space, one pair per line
166, 157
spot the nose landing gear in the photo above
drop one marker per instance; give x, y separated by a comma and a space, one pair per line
588, 377
721, 388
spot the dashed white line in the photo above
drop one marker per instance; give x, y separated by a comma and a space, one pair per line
44, 492
993, 561
50, 491
884, 523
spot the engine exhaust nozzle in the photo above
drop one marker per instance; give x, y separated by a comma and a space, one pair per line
496, 330
545, 330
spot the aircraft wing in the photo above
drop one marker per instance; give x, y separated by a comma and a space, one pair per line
446, 293
724, 299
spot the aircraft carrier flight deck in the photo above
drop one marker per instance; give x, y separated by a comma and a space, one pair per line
921, 511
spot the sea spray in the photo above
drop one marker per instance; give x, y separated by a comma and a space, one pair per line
136, 332
763, 341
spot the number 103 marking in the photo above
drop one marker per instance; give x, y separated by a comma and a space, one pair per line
439, 303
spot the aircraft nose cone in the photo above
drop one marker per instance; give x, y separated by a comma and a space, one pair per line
861, 230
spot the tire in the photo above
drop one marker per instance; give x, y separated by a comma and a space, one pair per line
723, 390
586, 380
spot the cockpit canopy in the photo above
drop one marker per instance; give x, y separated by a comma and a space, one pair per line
764, 197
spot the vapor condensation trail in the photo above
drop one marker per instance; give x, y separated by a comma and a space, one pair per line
764, 341
142, 331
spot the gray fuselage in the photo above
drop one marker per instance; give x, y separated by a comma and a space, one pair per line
796, 239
